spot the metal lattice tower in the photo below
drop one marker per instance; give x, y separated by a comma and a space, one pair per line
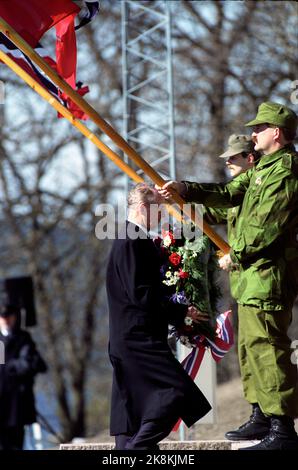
148, 110
148, 115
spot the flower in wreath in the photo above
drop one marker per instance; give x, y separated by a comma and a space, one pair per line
175, 259
179, 298
188, 270
167, 238
183, 274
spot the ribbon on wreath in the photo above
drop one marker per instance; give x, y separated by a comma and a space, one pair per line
224, 340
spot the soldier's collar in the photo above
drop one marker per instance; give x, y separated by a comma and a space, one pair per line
266, 160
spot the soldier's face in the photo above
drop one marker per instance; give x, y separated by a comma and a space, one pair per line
237, 165
263, 137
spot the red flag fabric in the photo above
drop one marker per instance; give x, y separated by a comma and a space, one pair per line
73, 108
32, 18
66, 50
26, 64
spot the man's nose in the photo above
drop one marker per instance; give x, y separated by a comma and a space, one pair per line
254, 137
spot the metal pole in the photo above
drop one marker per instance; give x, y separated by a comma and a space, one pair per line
170, 92
109, 130
172, 152
124, 19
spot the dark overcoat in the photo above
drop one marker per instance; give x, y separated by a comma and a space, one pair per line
22, 363
148, 381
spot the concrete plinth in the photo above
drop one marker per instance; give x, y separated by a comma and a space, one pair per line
165, 445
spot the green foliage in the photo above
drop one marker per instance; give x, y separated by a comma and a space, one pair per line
192, 280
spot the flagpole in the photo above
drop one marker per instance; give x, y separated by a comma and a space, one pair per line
78, 124
108, 130
68, 115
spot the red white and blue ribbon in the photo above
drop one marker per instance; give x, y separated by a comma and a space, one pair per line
224, 340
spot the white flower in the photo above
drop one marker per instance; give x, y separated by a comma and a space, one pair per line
188, 321
172, 278
170, 282
167, 241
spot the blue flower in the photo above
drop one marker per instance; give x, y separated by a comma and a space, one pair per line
179, 298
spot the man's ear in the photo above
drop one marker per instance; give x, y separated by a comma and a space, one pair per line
250, 158
143, 208
278, 135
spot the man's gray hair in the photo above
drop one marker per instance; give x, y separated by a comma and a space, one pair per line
142, 192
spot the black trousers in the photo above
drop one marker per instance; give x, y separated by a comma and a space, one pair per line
11, 438
148, 435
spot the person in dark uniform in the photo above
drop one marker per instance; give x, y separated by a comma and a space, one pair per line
151, 390
22, 363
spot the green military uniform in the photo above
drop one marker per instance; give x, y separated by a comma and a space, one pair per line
237, 144
229, 217
265, 246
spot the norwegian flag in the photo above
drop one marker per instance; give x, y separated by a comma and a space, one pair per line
28, 66
224, 336
91, 9
31, 19
224, 340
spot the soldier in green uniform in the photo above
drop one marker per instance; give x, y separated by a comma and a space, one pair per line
240, 156
265, 249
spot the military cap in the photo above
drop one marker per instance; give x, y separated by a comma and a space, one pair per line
276, 114
238, 143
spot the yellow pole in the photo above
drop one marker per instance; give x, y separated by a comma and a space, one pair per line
67, 114
76, 123
106, 128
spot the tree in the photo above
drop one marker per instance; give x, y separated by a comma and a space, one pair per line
228, 57
51, 181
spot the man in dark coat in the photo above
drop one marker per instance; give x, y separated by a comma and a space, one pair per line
151, 390
22, 363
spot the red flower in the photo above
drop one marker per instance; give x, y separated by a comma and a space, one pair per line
175, 259
183, 274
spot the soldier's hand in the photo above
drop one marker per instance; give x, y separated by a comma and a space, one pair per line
226, 263
166, 190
